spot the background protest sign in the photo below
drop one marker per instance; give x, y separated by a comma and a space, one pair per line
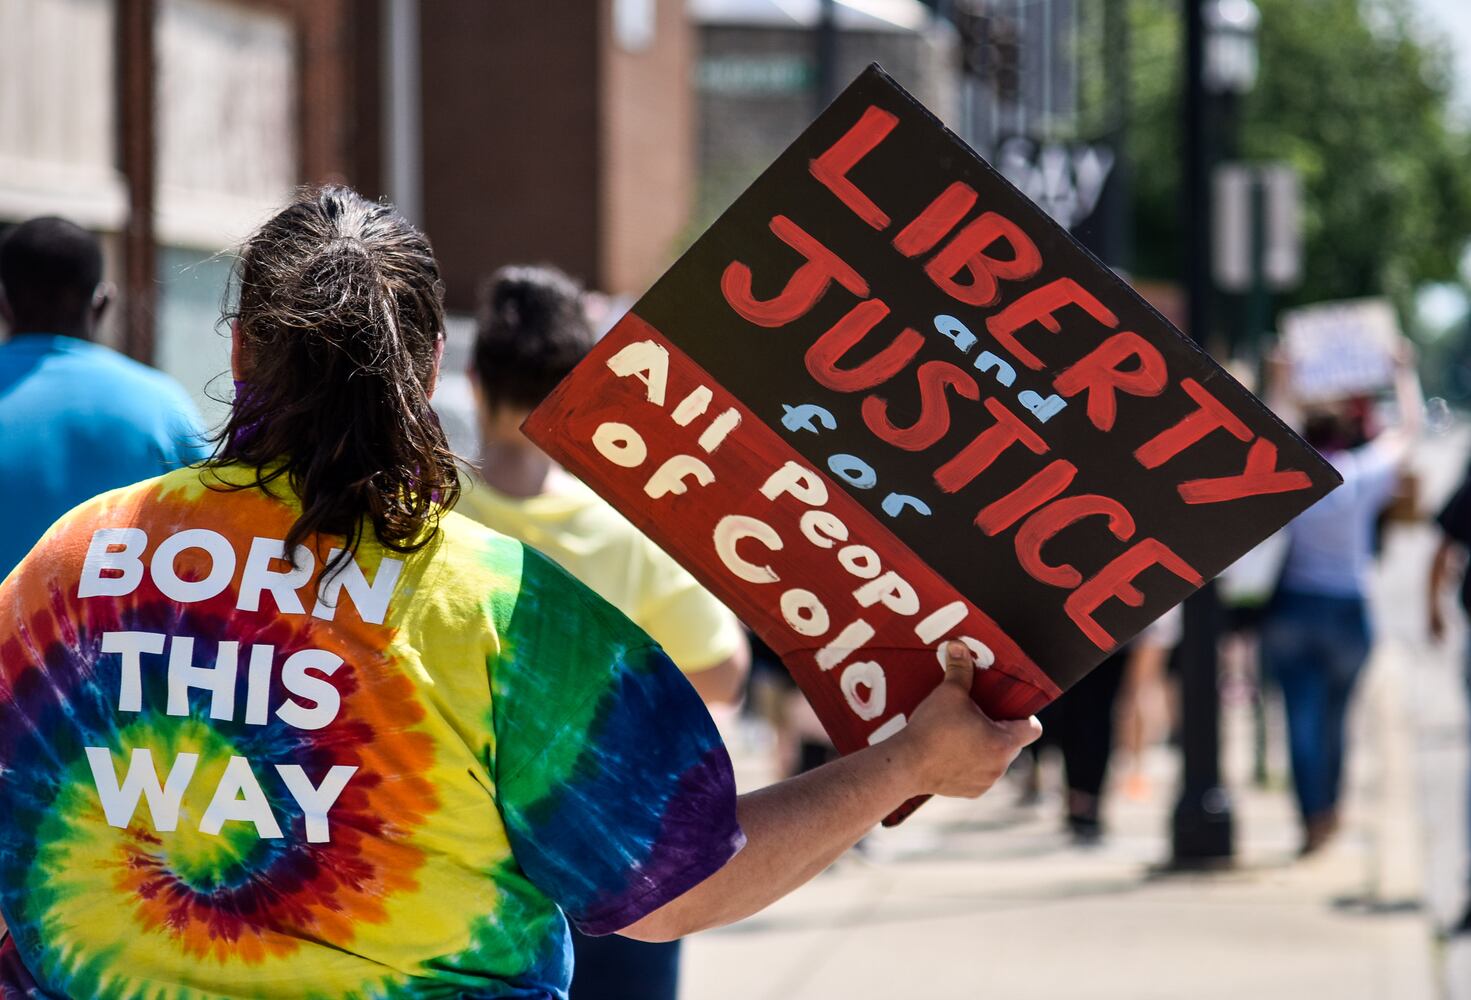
1340, 349
885, 401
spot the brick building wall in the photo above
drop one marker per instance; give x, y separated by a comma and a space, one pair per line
647, 138
547, 137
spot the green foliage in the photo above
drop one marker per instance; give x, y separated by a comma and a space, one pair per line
1353, 98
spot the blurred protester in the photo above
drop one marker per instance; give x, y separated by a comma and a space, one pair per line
1450, 561
800, 741
1246, 588
530, 333
76, 418
1082, 722
443, 747
1145, 710
1315, 634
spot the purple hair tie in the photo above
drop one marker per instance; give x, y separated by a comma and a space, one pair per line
241, 435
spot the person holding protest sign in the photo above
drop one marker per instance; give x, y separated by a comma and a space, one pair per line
531, 332
285, 725
1316, 634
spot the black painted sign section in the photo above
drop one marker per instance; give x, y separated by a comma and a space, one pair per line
915, 330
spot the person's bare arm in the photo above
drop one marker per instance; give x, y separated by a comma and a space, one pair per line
1408, 395
798, 827
725, 682
1440, 569
1410, 402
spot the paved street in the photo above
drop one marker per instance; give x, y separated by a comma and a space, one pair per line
990, 899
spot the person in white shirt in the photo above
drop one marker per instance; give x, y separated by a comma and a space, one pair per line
1316, 634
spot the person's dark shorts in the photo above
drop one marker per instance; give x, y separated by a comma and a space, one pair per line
620, 968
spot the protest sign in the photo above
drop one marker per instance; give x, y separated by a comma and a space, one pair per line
884, 401
1341, 349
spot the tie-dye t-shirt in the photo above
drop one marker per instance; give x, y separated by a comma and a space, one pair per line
222, 775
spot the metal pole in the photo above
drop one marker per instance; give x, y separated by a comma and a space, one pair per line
1118, 241
1202, 833
988, 96
1259, 303
826, 77
403, 129
1229, 312
137, 143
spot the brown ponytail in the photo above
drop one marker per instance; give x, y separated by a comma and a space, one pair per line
341, 309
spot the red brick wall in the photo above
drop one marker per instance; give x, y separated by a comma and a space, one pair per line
648, 144
510, 128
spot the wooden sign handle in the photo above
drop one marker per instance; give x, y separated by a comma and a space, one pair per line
905, 811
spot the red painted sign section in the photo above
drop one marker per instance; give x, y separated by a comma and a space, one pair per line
856, 617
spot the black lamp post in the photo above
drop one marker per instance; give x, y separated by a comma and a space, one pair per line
1220, 64
825, 55
1229, 62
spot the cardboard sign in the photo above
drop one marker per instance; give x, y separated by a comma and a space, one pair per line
1341, 349
885, 402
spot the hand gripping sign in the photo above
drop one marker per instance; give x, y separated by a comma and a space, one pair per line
885, 402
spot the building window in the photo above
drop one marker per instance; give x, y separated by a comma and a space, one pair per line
634, 22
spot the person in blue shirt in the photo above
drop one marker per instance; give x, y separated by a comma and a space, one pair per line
76, 418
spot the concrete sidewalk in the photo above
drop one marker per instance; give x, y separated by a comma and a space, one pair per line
989, 899
1437, 690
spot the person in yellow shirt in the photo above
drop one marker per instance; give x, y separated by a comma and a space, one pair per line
530, 333
596, 544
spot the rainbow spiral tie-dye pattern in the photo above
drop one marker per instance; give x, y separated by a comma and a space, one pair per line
225, 775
